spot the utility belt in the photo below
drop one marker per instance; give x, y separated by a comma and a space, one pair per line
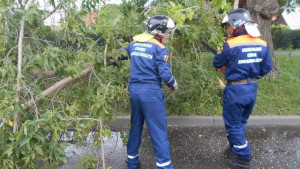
144, 86
244, 81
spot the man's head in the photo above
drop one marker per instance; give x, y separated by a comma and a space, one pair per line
160, 26
238, 19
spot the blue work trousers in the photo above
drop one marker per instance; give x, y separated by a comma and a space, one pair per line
238, 103
148, 104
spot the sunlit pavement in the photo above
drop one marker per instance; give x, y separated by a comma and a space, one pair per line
199, 142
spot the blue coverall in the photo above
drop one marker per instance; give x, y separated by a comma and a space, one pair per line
149, 68
245, 58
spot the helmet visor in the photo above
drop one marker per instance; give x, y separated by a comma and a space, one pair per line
170, 24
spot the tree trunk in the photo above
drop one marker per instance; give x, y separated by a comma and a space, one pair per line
262, 12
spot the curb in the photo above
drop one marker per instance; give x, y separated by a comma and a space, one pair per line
270, 120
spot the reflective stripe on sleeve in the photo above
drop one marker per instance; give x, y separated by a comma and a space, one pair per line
171, 79
241, 146
132, 157
163, 164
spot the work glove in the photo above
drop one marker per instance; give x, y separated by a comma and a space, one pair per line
174, 87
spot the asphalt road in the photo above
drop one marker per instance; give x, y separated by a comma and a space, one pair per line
198, 146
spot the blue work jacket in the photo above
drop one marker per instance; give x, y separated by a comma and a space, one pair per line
149, 62
244, 57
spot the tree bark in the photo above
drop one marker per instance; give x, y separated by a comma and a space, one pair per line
19, 75
104, 56
262, 13
46, 73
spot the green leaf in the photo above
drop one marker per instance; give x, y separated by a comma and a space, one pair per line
39, 150
39, 137
25, 141
25, 130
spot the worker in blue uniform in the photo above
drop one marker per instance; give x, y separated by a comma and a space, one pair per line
148, 56
246, 58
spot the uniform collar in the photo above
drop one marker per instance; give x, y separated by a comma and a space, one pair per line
240, 32
144, 37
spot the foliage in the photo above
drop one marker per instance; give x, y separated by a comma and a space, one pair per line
199, 92
287, 3
285, 38
71, 47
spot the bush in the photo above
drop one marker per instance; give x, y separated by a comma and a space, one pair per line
285, 38
199, 92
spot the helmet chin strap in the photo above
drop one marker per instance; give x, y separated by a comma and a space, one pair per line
239, 28
158, 37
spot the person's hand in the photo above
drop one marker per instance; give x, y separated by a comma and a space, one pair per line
174, 87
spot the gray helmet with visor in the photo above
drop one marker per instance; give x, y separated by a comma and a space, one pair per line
239, 17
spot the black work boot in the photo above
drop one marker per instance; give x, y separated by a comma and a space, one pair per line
238, 163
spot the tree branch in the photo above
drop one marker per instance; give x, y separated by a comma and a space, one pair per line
104, 56
56, 86
20, 54
46, 73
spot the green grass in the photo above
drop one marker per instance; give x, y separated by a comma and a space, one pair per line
282, 95
275, 97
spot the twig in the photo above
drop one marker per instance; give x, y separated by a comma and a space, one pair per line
35, 107
102, 149
55, 94
87, 118
170, 95
90, 78
10, 51
104, 56
54, 10
94, 43
146, 13
48, 42
172, 38
101, 84
142, 11
116, 39
116, 20
196, 52
3, 122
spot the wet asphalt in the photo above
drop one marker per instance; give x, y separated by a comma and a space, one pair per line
195, 147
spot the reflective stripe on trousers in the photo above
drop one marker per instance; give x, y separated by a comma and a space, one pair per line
132, 157
241, 146
163, 164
